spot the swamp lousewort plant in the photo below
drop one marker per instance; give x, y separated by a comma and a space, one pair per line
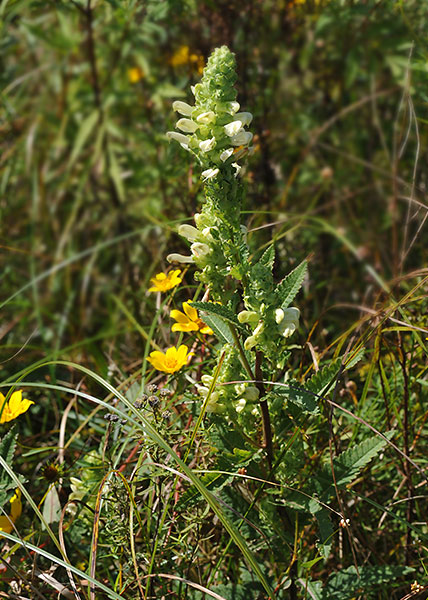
254, 319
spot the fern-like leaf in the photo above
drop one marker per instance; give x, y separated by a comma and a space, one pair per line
324, 380
218, 310
291, 284
268, 257
348, 583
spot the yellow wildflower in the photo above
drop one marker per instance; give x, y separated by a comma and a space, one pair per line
135, 74
15, 512
183, 56
163, 282
189, 320
15, 406
170, 362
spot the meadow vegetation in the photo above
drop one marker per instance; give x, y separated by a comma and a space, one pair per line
213, 353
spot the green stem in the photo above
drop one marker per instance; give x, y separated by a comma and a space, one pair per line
258, 380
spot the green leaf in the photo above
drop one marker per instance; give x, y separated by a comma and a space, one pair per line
348, 583
268, 257
291, 284
326, 532
7, 451
220, 328
355, 358
7, 447
323, 381
219, 310
305, 400
313, 589
115, 174
348, 464
83, 134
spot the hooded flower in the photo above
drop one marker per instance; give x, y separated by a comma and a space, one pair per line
189, 320
15, 406
170, 361
213, 124
162, 282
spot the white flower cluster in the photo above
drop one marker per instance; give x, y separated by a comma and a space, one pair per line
217, 138
246, 393
286, 319
200, 245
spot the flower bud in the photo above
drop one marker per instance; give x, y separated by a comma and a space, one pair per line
209, 173
279, 315
250, 342
179, 258
182, 107
189, 232
251, 394
226, 154
178, 137
243, 138
233, 128
232, 107
241, 405
186, 125
248, 316
207, 145
206, 117
244, 117
200, 250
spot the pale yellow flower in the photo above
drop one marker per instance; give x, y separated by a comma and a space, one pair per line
15, 406
15, 512
162, 282
170, 361
189, 320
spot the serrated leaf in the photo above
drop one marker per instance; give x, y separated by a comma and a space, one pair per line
218, 310
7, 447
7, 451
348, 464
347, 583
268, 257
220, 328
323, 381
304, 399
290, 285
355, 358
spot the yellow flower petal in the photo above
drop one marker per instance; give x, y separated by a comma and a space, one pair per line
206, 330
14, 407
162, 282
190, 311
6, 523
179, 316
170, 362
185, 327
